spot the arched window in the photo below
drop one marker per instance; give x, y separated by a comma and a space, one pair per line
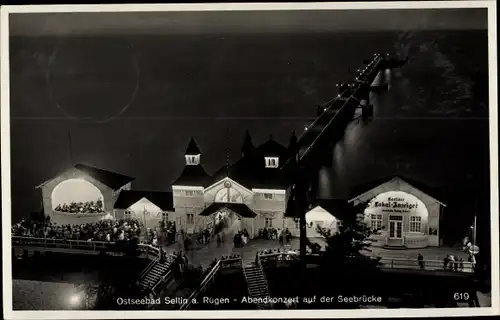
229, 195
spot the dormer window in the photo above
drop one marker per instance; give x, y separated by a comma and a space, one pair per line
272, 162
193, 159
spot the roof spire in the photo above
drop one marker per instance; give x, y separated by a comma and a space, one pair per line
228, 154
192, 148
271, 137
248, 147
293, 144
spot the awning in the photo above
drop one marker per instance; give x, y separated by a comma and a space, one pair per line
240, 209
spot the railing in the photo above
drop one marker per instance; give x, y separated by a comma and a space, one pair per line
340, 110
259, 265
416, 241
81, 245
168, 276
209, 279
371, 66
80, 214
385, 263
149, 267
428, 265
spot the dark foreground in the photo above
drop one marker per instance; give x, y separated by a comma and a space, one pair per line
384, 289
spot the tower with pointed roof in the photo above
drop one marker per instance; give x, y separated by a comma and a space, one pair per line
193, 153
193, 174
293, 146
248, 148
188, 188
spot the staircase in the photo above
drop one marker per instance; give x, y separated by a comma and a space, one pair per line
257, 283
154, 275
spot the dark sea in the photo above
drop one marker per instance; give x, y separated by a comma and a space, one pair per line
131, 104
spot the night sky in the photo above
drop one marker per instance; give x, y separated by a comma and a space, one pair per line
131, 89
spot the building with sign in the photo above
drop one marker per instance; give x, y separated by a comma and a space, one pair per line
252, 194
401, 214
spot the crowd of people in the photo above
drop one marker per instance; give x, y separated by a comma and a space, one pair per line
81, 207
104, 230
241, 238
452, 263
204, 236
276, 234
169, 230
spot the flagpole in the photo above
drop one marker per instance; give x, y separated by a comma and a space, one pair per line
475, 224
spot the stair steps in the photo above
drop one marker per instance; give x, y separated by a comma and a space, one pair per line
154, 275
257, 283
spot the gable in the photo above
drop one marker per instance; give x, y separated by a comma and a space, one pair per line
223, 183
105, 178
144, 205
396, 184
110, 179
127, 198
69, 174
319, 214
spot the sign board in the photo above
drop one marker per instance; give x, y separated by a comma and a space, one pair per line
396, 202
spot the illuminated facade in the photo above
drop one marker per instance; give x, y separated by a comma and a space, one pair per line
252, 193
82, 194
402, 214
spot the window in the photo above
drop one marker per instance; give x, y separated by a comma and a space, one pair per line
415, 224
271, 162
268, 196
269, 223
376, 221
192, 160
190, 218
396, 218
297, 224
164, 216
189, 193
128, 214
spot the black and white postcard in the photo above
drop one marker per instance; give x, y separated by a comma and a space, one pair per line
250, 160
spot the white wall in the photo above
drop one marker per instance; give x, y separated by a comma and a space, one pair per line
73, 173
431, 205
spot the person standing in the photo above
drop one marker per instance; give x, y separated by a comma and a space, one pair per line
446, 260
219, 240
420, 261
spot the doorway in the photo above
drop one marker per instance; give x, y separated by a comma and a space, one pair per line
395, 227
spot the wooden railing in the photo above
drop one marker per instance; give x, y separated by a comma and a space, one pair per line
428, 265
385, 263
210, 279
150, 251
149, 267
165, 279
